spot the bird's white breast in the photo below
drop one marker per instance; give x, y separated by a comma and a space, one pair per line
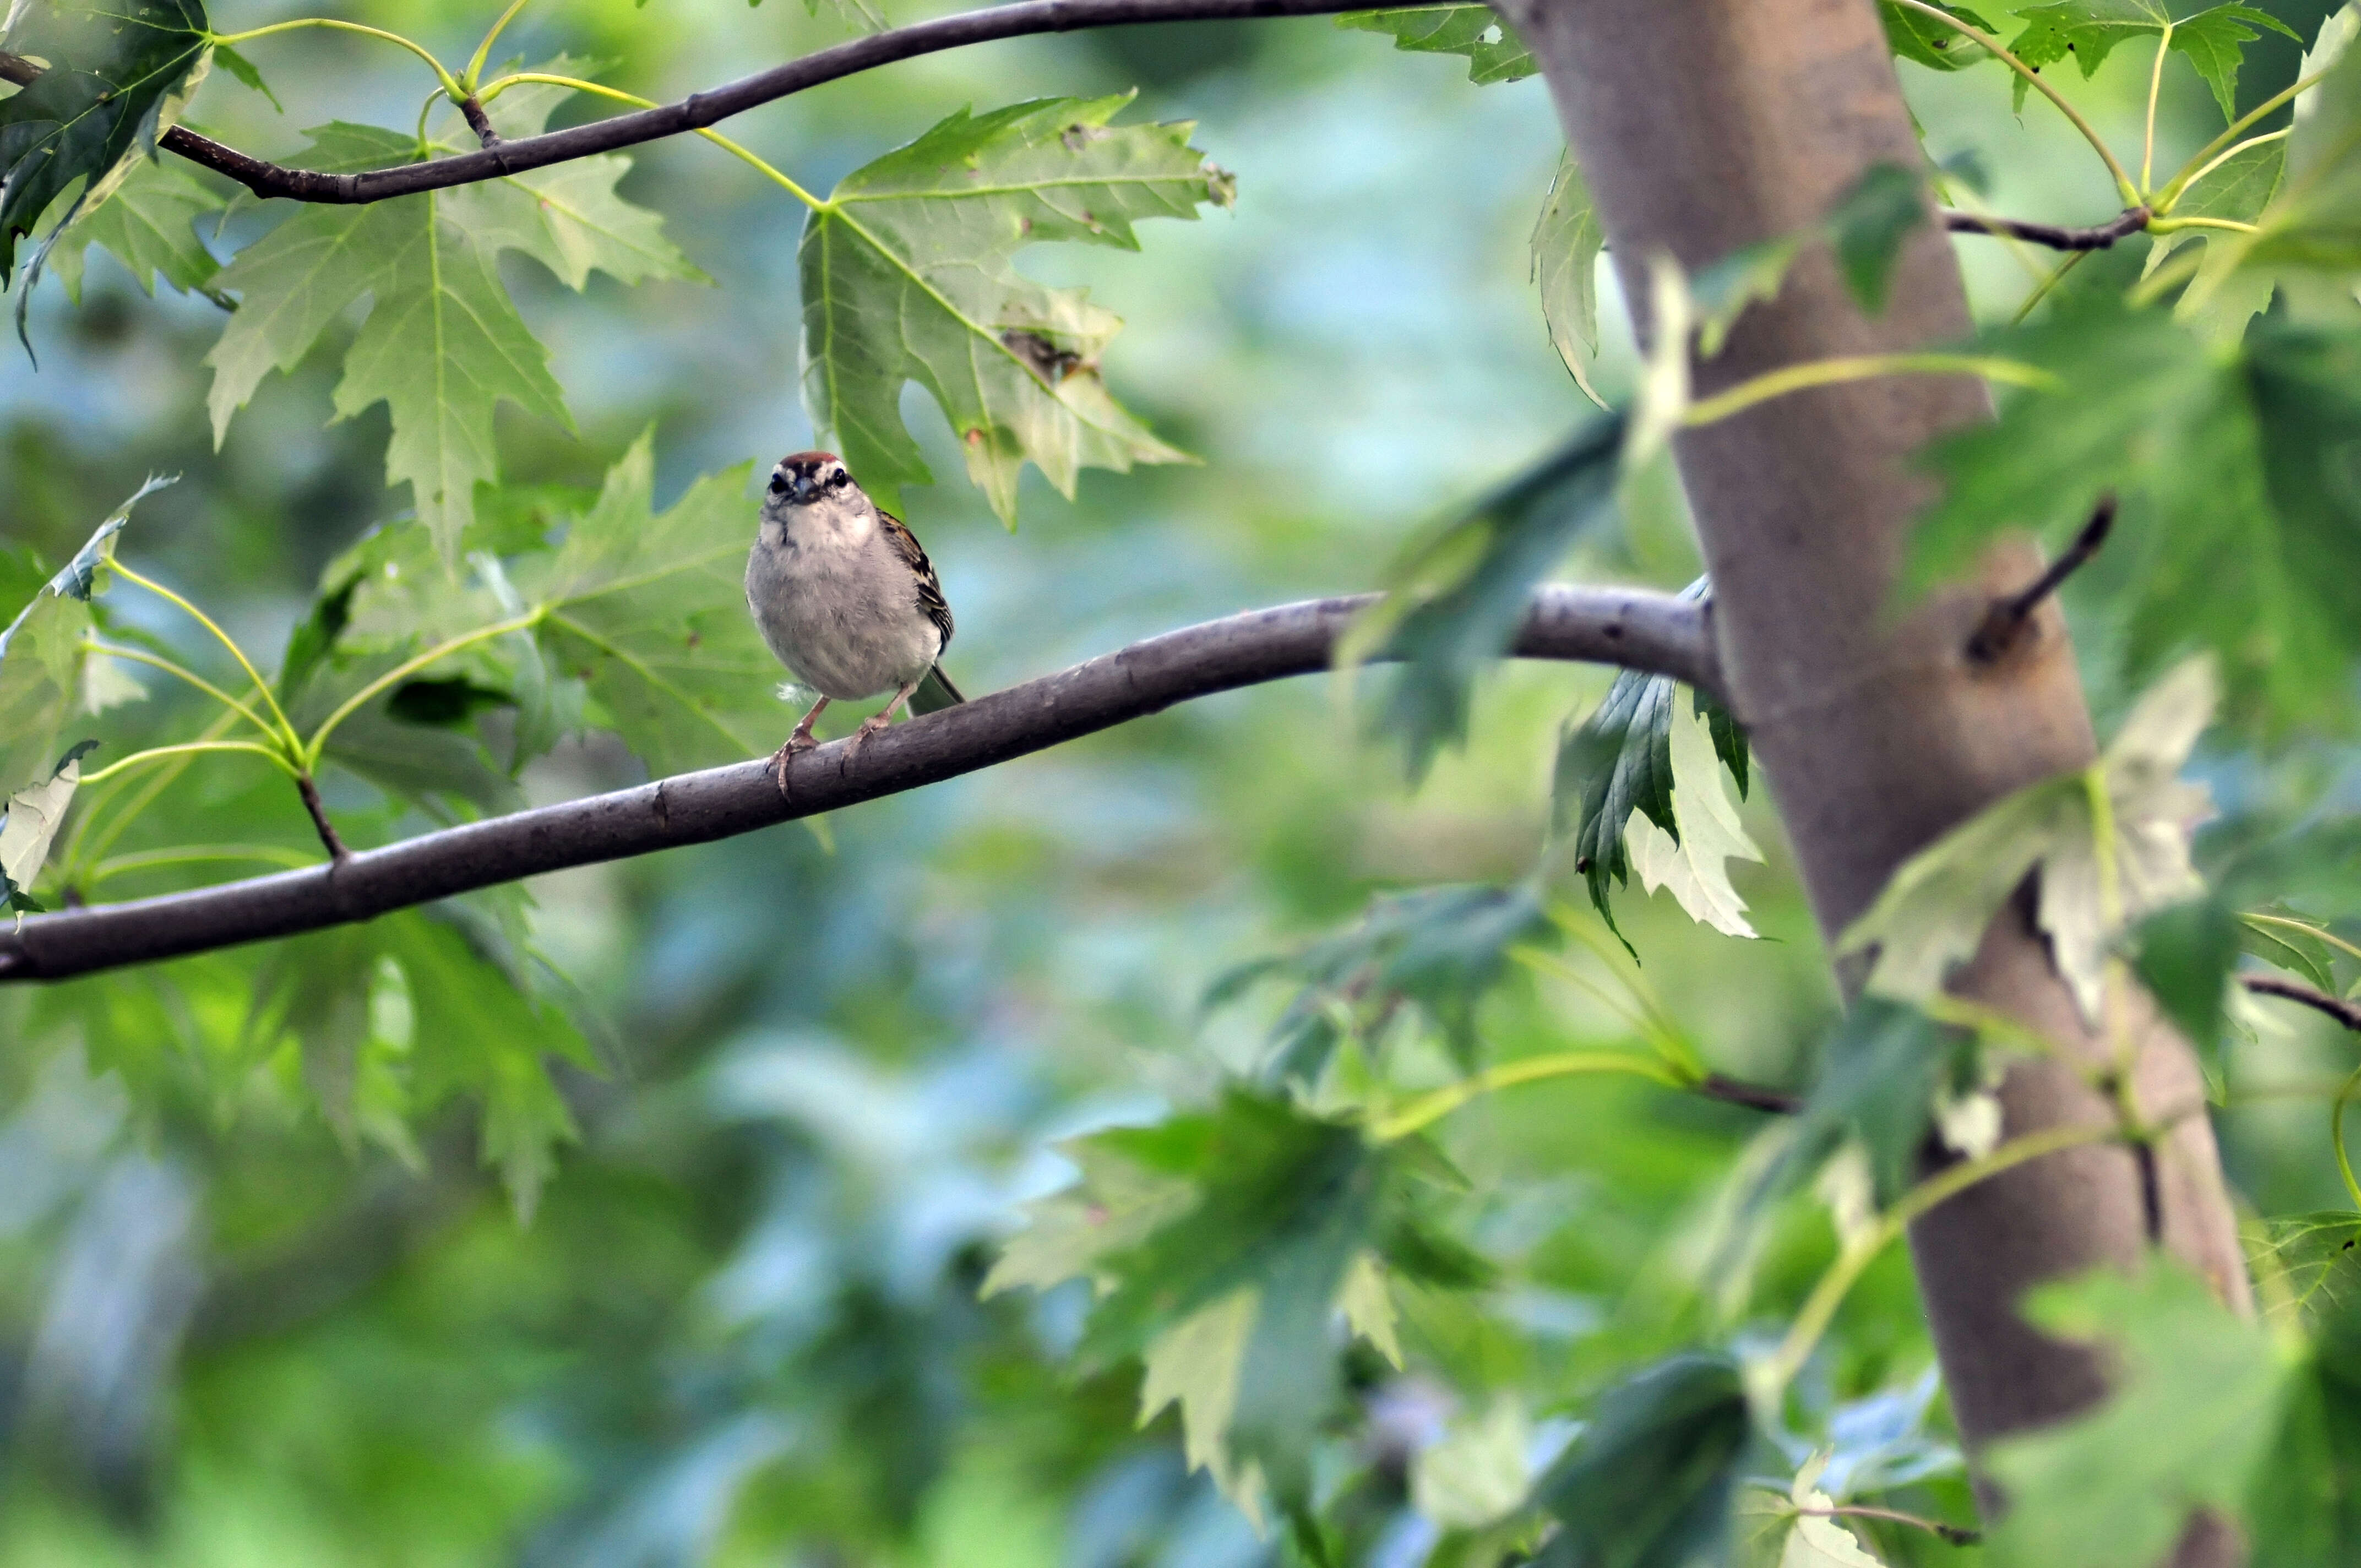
837, 603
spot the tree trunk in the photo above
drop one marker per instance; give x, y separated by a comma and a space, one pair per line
1707, 125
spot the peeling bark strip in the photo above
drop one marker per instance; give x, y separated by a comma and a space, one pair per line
1710, 124
1637, 630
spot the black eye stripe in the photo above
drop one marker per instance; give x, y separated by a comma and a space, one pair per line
778, 482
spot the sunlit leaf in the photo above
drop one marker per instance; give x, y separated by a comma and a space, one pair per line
1493, 53
2195, 1404
2214, 39
909, 274
1933, 912
1567, 241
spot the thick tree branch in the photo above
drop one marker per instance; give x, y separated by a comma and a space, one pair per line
701, 110
2130, 221
1636, 630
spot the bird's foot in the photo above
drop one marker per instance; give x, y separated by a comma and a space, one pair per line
801, 741
876, 724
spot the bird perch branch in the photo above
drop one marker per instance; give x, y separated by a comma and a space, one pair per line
699, 111
1633, 628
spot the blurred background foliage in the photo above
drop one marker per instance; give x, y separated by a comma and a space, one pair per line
741, 1323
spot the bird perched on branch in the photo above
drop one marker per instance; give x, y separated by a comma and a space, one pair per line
846, 598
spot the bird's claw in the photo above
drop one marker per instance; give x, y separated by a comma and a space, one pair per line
801, 741
876, 724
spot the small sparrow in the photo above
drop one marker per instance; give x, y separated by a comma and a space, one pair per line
846, 598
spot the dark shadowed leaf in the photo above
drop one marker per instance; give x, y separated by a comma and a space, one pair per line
1888, 1065
1439, 949
1649, 1483
117, 74
1916, 37
1868, 226
1617, 761
1460, 592
2184, 956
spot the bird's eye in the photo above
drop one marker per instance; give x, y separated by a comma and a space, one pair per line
779, 482
838, 479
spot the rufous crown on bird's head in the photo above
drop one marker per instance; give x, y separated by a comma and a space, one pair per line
802, 478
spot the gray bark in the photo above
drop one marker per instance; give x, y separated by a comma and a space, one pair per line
1640, 631
1707, 125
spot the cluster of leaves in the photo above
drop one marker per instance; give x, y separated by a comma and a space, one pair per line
922, 238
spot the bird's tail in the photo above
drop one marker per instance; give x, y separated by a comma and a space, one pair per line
935, 692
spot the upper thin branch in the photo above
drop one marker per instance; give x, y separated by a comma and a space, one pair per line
1639, 631
2099, 236
699, 111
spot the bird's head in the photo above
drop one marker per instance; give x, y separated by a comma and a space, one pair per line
803, 478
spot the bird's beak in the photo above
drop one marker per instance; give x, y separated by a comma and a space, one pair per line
804, 491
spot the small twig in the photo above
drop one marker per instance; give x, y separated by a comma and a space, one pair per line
312, 803
2345, 1012
478, 122
2000, 629
1957, 1534
2130, 221
1754, 1096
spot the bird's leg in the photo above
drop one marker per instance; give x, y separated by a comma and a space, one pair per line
876, 722
800, 740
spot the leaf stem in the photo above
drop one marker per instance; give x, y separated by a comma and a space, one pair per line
2155, 86
2322, 932
2170, 225
1957, 1535
310, 750
85, 821
190, 748
141, 656
2041, 291
223, 638
156, 859
450, 85
1820, 1307
2205, 154
1859, 367
484, 50
2124, 185
2336, 1135
1435, 1106
2222, 158
716, 137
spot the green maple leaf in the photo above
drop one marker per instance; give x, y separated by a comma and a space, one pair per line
2214, 39
1459, 591
2246, 529
43, 653
1651, 1480
1222, 1246
1493, 51
1918, 38
909, 274
2312, 221
1567, 241
1616, 763
149, 225
443, 345
2196, 1403
117, 77
1438, 950
1692, 863
2098, 873
401, 1015
648, 610
566, 216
